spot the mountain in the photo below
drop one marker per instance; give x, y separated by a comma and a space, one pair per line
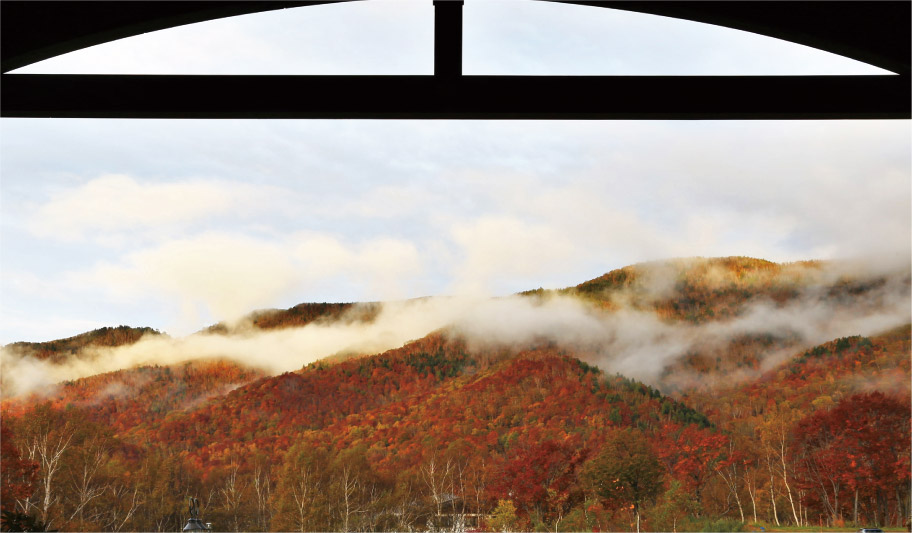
447, 432
834, 419
819, 377
488, 412
765, 311
302, 315
58, 350
126, 398
699, 290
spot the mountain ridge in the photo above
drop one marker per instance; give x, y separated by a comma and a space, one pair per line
448, 432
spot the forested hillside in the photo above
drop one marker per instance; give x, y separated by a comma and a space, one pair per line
304, 314
58, 350
829, 429
448, 433
123, 399
700, 290
751, 293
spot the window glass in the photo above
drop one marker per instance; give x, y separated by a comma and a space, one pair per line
517, 37
375, 37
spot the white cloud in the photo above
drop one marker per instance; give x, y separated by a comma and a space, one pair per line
229, 275
52, 326
384, 266
273, 350
383, 202
636, 343
372, 209
109, 206
505, 247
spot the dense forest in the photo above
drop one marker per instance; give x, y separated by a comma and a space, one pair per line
60, 349
445, 434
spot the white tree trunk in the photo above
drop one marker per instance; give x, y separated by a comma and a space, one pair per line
48, 453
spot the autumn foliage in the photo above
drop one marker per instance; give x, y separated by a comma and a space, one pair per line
853, 457
444, 435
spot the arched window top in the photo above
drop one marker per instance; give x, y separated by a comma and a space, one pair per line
347, 38
501, 37
544, 38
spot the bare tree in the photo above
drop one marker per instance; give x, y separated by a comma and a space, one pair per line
775, 437
772, 486
303, 490
731, 475
233, 493
436, 477
406, 507
779, 448
47, 447
750, 482
263, 489
93, 454
349, 486
120, 515
459, 480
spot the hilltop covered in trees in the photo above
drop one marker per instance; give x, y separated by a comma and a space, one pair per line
59, 350
447, 434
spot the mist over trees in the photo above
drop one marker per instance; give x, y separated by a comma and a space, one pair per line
446, 433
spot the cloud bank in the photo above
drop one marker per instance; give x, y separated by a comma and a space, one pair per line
226, 275
117, 204
316, 211
635, 343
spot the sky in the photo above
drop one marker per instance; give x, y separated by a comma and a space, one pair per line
178, 224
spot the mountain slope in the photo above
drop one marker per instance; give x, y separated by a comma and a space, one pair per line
818, 377
400, 387
57, 351
126, 398
395, 415
698, 290
302, 315
745, 314
455, 431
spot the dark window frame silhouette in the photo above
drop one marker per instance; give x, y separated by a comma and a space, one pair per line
875, 32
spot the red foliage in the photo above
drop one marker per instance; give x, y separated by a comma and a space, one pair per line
691, 454
18, 474
862, 444
540, 475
